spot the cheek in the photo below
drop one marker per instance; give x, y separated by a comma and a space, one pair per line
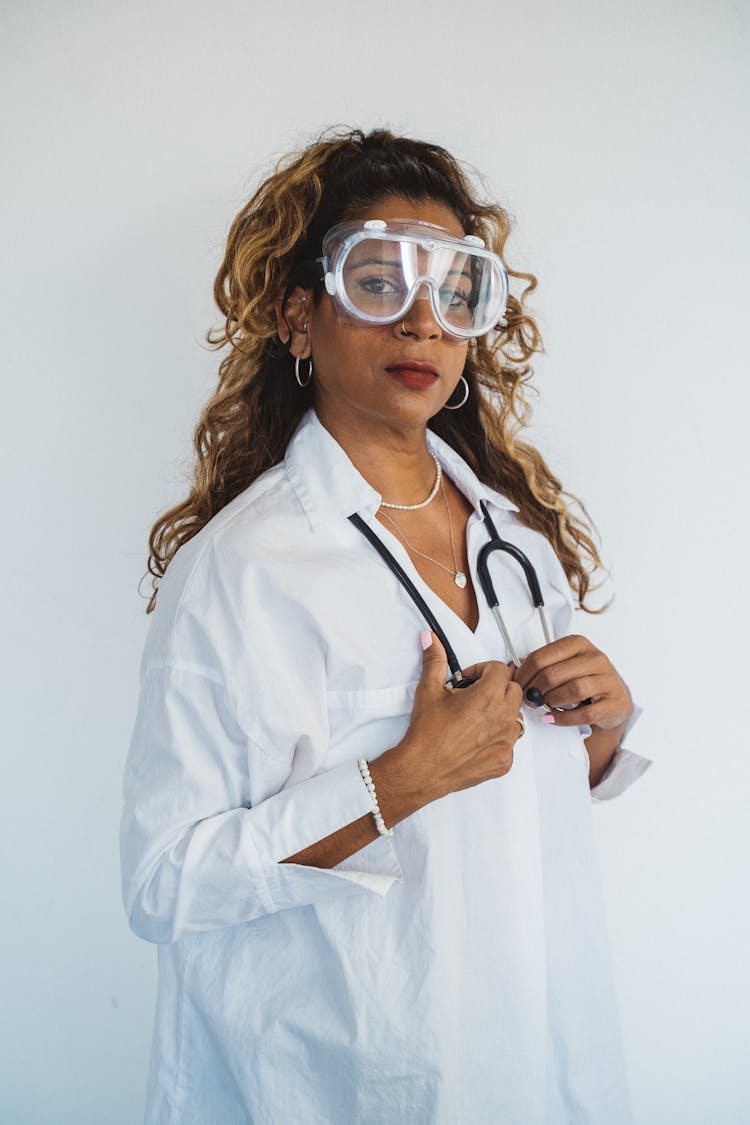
454, 360
343, 361
340, 349
335, 352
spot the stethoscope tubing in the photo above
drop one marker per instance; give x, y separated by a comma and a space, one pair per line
496, 543
459, 680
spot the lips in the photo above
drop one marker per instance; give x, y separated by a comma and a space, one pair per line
417, 378
411, 373
413, 365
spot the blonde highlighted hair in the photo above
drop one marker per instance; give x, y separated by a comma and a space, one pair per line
245, 427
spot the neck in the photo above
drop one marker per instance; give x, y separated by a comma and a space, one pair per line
393, 458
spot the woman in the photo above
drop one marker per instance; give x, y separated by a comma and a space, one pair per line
375, 895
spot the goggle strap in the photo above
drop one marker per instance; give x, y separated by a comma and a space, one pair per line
305, 274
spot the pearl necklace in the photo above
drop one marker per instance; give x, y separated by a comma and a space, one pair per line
433, 494
458, 576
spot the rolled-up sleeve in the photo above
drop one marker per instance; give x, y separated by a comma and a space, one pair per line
209, 814
624, 768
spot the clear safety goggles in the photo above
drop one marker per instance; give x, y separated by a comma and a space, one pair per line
374, 270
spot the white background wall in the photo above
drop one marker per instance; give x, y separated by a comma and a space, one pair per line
616, 132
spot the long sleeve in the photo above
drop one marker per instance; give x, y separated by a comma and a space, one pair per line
201, 839
625, 767
447, 966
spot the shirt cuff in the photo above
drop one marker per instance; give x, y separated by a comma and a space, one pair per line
624, 768
299, 816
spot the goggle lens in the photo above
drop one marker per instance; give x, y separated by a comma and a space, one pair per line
377, 277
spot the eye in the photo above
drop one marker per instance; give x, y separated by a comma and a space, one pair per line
457, 299
377, 285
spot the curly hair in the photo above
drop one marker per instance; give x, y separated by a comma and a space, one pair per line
245, 427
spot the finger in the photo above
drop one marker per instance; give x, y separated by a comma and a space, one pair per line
434, 660
555, 676
477, 671
493, 687
590, 713
514, 696
566, 648
575, 691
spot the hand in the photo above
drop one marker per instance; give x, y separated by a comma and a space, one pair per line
572, 670
457, 739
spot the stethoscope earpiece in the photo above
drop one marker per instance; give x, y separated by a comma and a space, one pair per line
533, 696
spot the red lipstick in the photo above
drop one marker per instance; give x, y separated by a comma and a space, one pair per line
413, 374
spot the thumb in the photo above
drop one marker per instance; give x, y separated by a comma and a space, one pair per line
434, 660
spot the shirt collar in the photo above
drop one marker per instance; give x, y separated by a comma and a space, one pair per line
328, 485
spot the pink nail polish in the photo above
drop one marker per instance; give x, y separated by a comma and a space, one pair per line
548, 718
426, 638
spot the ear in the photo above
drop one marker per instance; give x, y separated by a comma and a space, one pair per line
298, 313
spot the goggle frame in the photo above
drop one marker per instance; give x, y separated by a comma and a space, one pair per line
341, 238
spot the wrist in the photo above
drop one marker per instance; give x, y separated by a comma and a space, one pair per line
629, 708
399, 791
619, 723
380, 824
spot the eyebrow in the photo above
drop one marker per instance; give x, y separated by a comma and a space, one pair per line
376, 262
397, 264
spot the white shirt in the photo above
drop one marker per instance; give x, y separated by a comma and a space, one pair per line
458, 972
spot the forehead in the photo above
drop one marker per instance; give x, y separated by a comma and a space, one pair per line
399, 207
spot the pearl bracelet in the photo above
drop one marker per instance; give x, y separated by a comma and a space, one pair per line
364, 769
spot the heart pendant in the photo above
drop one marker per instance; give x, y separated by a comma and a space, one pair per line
460, 579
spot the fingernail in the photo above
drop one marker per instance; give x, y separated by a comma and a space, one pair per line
426, 638
548, 718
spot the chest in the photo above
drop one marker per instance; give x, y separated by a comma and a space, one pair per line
338, 614
439, 552
335, 635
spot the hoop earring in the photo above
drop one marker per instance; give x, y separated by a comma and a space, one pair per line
309, 373
463, 400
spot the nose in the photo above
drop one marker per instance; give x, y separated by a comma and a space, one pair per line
419, 319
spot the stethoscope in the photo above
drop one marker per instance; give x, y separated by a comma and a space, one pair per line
495, 543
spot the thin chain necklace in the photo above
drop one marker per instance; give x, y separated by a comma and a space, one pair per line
433, 494
458, 576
